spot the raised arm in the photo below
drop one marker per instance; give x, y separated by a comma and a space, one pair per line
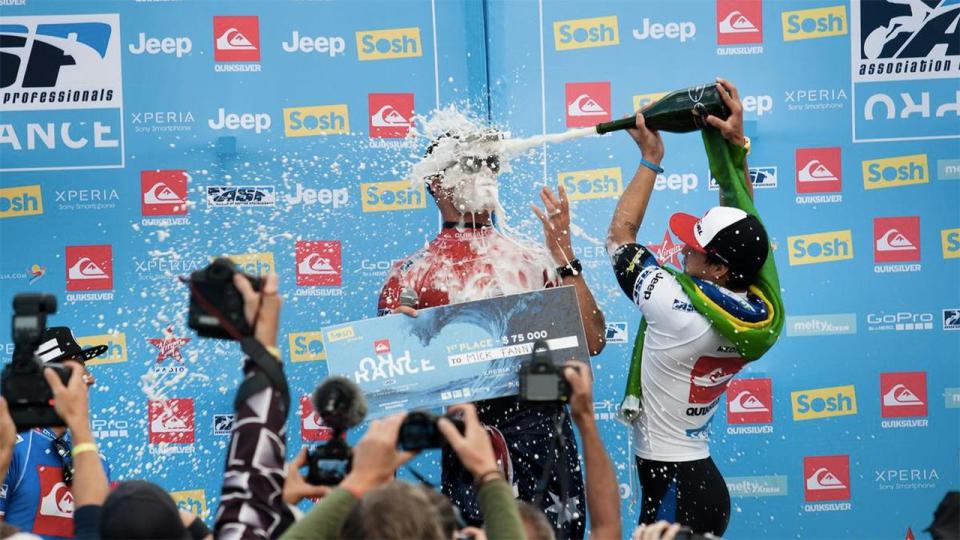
603, 492
633, 203
732, 127
556, 230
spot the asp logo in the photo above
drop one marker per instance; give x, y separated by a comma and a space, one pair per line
827, 478
587, 103
307, 347
894, 37
164, 193
61, 63
895, 171
617, 332
903, 394
220, 196
116, 348
824, 402
312, 427
818, 170
592, 183
760, 177
89, 268
392, 196
316, 120
739, 21
21, 201
236, 38
390, 115
750, 401
318, 263
171, 421
950, 243
814, 23
389, 44
896, 239
820, 247
584, 33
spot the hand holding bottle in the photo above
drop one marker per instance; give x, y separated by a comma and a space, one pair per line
732, 127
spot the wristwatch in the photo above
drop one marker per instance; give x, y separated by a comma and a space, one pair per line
572, 268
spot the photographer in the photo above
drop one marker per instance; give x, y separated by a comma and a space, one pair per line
370, 504
252, 497
36, 493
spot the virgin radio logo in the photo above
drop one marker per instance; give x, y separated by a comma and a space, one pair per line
318, 263
896, 240
311, 425
903, 395
163, 193
89, 268
391, 115
750, 401
818, 171
588, 103
739, 22
236, 39
171, 421
826, 478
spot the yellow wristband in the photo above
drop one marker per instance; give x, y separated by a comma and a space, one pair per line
275, 351
83, 447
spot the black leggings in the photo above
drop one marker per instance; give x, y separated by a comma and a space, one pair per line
691, 493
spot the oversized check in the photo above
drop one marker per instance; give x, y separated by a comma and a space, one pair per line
456, 353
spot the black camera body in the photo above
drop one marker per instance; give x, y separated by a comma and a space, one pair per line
419, 431
22, 382
215, 301
328, 464
540, 379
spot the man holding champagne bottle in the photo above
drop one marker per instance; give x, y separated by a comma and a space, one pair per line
701, 325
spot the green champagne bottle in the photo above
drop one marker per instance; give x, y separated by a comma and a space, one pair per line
680, 111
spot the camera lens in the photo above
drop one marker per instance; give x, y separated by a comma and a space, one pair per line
218, 271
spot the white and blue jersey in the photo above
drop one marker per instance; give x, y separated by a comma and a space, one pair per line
34, 497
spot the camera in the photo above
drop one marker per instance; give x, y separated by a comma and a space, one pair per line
540, 379
216, 306
419, 431
328, 464
23, 386
340, 404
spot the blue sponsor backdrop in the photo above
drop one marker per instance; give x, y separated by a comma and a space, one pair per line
272, 131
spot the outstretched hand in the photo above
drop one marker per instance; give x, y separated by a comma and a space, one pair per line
72, 402
473, 447
376, 457
732, 127
556, 224
295, 487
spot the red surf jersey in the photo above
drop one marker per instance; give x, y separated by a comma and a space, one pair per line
461, 265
